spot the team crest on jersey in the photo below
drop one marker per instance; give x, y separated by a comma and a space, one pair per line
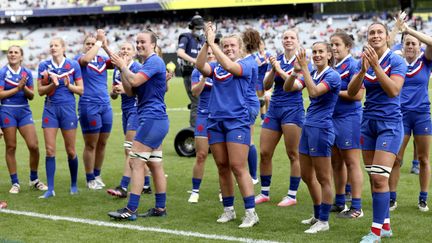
67, 66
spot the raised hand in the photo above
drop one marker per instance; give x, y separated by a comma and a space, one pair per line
100, 35
301, 58
54, 79
400, 22
275, 64
210, 33
23, 81
371, 56
67, 81
118, 61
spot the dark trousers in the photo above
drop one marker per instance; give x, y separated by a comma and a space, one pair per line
194, 100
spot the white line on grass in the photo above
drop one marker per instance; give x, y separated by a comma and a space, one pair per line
133, 227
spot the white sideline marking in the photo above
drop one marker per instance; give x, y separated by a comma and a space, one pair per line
133, 227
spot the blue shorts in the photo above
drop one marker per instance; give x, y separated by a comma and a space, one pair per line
277, 116
59, 116
152, 132
259, 85
253, 113
418, 123
95, 118
228, 130
316, 142
15, 116
201, 126
130, 120
347, 132
381, 135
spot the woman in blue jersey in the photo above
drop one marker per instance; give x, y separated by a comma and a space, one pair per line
95, 113
129, 119
59, 78
262, 57
201, 86
16, 88
382, 73
346, 121
228, 123
415, 106
149, 84
317, 138
285, 116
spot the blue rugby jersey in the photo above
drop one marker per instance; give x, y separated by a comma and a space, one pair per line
414, 95
9, 79
205, 94
279, 96
68, 67
252, 98
95, 80
263, 63
127, 102
320, 111
346, 69
229, 92
151, 94
378, 105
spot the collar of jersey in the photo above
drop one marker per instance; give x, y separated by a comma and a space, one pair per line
317, 76
343, 60
61, 63
415, 60
384, 56
12, 71
290, 60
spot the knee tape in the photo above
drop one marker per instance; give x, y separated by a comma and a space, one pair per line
368, 169
381, 170
127, 145
144, 156
155, 156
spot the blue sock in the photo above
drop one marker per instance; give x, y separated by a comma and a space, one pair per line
415, 163
340, 199
96, 172
160, 200
50, 165
124, 183
393, 196
146, 181
249, 202
262, 116
196, 182
73, 170
265, 184
228, 201
253, 161
356, 203
294, 185
90, 177
317, 211
14, 178
33, 175
423, 196
347, 188
380, 204
133, 202
324, 211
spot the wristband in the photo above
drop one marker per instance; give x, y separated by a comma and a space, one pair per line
98, 43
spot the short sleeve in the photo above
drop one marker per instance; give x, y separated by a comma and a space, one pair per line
398, 67
332, 81
212, 67
77, 71
183, 42
195, 77
150, 68
116, 77
29, 82
2, 78
246, 68
41, 69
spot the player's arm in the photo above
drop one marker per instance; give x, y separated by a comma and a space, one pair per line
197, 88
88, 57
356, 82
201, 62
77, 88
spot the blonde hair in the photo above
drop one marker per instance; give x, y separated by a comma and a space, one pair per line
239, 40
